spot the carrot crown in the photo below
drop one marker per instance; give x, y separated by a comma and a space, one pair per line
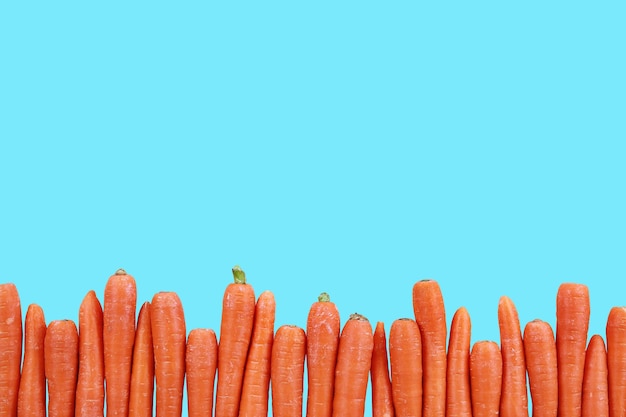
239, 275
324, 297
120, 272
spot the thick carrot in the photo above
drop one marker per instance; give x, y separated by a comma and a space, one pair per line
405, 356
169, 339
458, 391
32, 394
235, 334
287, 371
514, 397
382, 394
354, 360
572, 324
430, 316
61, 366
256, 379
120, 304
595, 399
142, 373
616, 360
90, 385
485, 378
322, 331
540, 355
10, 348
200, 367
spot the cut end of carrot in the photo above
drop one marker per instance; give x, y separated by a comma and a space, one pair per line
323, 297
239, 275
120, 272
357, 316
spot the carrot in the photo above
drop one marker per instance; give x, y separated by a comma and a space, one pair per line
287, 371
235, 333
405, 356
540, 355
572, 324
458, 392
256, 379
485, 378
595, 397
354, 359
61, 367
32, 394
10, 348
90, 385
616, 360
382, 394
169, 339
200, 367
118, 336
514, 396
322, 330
430, 316
142, 372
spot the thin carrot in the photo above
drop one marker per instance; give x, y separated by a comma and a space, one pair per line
256, 379
382, 394
142, 372
514, 397
354, 360
200, 367
10, 348
486, 378
616, 360
430, 315
405, 356
169, 339
32, 394
595, 398
235, 334
458, 391
120, 303
541, 365
287, 371
322, 330
572, 324
61, 366
90, 385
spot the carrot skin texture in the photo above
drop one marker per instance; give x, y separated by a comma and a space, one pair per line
616, 360
200, 367
486, 378
142, 371
287, 371
61, 366
10, 348
405, 355
32, 393
595, 398
458, 391
382, 394
541, 364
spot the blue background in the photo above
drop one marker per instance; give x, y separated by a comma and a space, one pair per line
352, 148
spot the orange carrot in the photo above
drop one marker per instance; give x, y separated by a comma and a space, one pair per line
458, 391
540, 355
595, 397
10, 348
405, 356
32, 394
235, 333
61, 367
486, 378
382, 394
142, 372
430, 315
572, 324
169, 339
322, 330
616, 360
256, 379
287, 371
118, 335
354, 360
200, 367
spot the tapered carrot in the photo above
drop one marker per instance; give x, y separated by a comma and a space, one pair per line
572, 324
256, 379
405, 356
322, 330
142, 372
10, 348
354, 359
541, 364
169, 339
235, 334
90, 385
61, 366
595, 397
616, 360
430, 315
200, 367
120, 303
287, 371
382, 394
32, 394
458, 391
486, 378
514, 396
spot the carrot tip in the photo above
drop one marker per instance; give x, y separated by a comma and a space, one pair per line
120, 272
324, 297
239, 275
